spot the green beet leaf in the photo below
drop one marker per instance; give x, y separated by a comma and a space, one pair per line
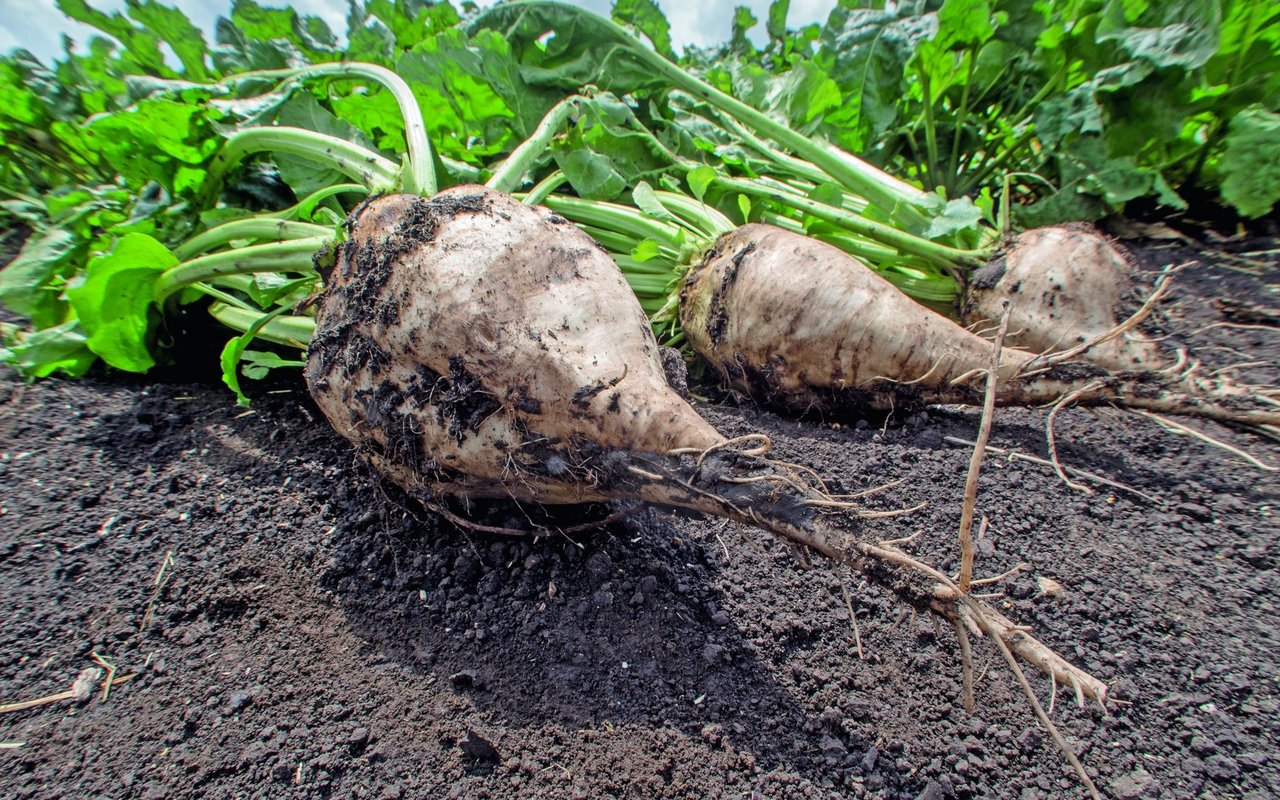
283, 27
1251, 162
153, 141
646, 17
472, 109
776, 24
699, 179
576, 54
1166, 33
142, 46
647, 201
235, 351
606, 151
39, 354
259, 362
173, 27
114, 301
27, 284
964, 22
411, 21
646, 250
958, 215
743, 21
591, 174
867, 51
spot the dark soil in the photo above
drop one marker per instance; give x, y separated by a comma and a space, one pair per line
314, 635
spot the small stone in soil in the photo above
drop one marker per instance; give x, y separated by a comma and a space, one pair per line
932, 791
1252, 759
1029, 740
240, 700
1222, 769
358, 739
1132, 785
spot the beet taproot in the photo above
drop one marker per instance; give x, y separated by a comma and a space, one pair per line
798, 323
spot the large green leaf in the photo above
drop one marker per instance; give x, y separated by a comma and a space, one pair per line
114, 301
472, 95
646, 17
1166, 33
866, 51
411, 21
964, 23
607, 151
27, 284
158, 139
561, 45
141, 45
284, 28
173, 28
41, 353
1251, 162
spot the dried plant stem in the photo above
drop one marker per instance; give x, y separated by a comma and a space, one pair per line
1052, 442
1067, 752
975, 461
966, 662
70, 694
1014, 455
1237, 326
853, 620
39, 701
162, 578
1183, 430
997, 578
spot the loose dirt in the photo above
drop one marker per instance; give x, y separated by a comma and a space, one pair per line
295, 628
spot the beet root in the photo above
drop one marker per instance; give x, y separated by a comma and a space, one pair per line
1065, 285
797, 323
471, 345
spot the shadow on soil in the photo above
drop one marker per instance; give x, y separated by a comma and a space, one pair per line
620, 626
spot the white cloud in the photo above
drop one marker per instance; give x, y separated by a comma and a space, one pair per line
38, 26
707, 22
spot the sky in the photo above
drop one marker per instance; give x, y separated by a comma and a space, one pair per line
38, 26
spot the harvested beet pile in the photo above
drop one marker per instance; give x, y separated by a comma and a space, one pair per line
297, 628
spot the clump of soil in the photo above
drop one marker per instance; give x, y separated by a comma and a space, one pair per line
315, 634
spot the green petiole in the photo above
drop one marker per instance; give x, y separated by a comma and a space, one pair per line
624, 219
509, 174
546, 186
306, 206
261, 228
293, 256
376, 173
290, 330
417, 173
904, 242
